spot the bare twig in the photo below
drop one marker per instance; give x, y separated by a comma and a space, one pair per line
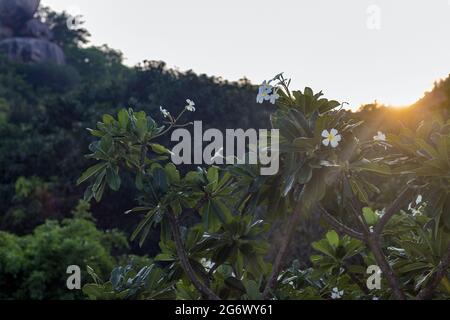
184, 260
339, 226
441, 270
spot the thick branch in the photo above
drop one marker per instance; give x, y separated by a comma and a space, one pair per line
372, 241
279, 260
441, 270
199, 285
339, 226
393, 209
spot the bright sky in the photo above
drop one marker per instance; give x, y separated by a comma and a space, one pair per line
329, 45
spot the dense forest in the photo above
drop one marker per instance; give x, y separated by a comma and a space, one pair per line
45, 109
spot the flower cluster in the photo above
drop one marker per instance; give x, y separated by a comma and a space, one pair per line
164, 112
189, 107
336, 294
417, 206
267, 92
380, 136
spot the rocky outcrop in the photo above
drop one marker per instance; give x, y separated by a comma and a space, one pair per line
25, 39
14, 13
6, 32
34, 28
31, 50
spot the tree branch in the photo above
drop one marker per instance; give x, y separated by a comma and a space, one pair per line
279, 260
393, 209
441, 270
339, 226
372, 241
181, 251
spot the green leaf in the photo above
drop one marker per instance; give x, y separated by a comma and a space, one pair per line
324, 247
358, 189
305, 174
159, 149
141, 127
90, 172
93, 291
144, 222
123, 118
107, 119
333, 238
160, 178
213, 176
370, 216
172, 173
176, 207
253, 290
113, 179
98, 194
305, 144
366, 165
164, 257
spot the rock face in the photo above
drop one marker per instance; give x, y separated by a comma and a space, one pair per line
30, 50
25, 39
34, 28
5, 32
14, 13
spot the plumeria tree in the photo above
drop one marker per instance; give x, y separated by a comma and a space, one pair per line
327, 169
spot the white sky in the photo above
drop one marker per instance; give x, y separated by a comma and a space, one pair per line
324, 44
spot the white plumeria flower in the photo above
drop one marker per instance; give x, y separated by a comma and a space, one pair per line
375, 298
331, 138
164, 112
274, 97
380, 136
207, 263
419, 199
380, 213
336, 294
190, 105
416, 207
371, 229
264, 92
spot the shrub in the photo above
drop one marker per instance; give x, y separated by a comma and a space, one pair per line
34, 266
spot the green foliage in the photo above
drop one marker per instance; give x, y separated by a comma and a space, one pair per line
424, 156
34, 266
127, 283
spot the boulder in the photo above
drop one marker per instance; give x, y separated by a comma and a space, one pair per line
14, 13
5, 32
34, 28
31, 50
